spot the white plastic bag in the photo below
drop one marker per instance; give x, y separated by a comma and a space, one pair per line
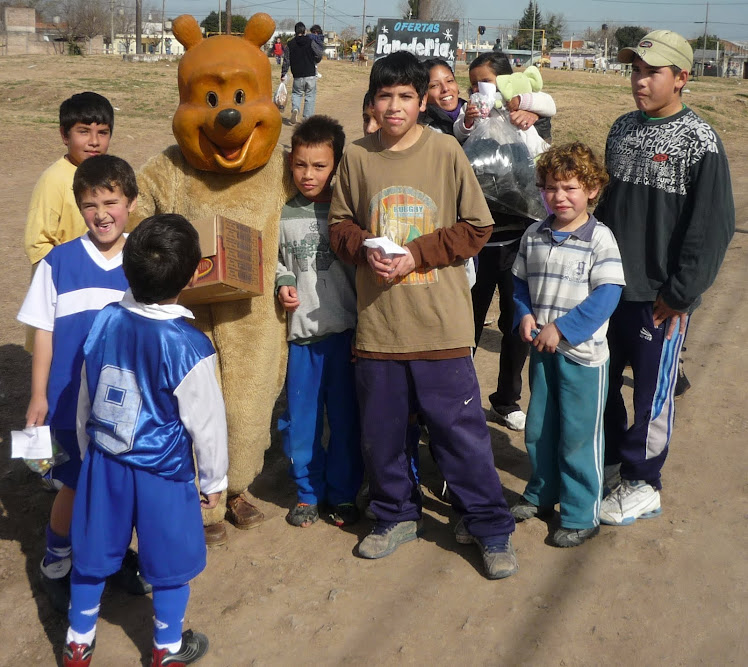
281, 96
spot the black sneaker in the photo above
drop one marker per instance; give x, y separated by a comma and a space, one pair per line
128, 577
682, 385
345, 514
77, 655
194, 646
57, 588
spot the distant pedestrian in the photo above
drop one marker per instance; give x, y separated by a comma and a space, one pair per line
301, 56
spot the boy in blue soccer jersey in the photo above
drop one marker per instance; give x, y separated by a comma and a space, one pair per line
71, 284
568, 278
149, 395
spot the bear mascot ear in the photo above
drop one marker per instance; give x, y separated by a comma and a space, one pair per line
187, 31
259, 29
226, 121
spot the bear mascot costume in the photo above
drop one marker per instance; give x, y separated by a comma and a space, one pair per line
226, 162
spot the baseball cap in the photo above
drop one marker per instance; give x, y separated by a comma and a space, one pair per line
660, 48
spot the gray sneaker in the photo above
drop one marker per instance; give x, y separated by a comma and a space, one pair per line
294, 116
524, 510
573, 537
386, 537
499, 561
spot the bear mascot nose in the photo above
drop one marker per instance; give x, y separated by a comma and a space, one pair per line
228, 118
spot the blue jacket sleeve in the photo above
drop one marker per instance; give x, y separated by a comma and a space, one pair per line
522, 301
582, 321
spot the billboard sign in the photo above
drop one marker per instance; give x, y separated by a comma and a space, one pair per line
425, 39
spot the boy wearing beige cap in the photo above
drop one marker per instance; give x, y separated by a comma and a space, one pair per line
670, 207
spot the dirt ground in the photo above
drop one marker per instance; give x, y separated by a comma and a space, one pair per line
667, 591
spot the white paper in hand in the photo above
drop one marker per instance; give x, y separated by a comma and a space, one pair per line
34, 442
388, 249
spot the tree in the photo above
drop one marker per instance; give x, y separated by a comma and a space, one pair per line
80, 19
210, 23
711, 42
555, 27
431, 10
286, 24
523, 39
629, 35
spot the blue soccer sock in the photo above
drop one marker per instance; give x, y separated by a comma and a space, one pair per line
85, 595
58, 547
169, 606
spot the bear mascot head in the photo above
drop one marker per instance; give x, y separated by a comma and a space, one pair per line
226, 120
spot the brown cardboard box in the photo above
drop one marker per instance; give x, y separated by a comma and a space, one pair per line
231, 267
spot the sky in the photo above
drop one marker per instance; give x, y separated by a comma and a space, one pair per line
728, 19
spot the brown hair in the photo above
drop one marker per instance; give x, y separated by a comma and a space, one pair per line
574, 160
320, 130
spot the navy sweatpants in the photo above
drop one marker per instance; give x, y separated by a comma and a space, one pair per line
448, 397
642, 446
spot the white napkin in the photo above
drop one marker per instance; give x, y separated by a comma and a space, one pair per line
388, 249
34, 442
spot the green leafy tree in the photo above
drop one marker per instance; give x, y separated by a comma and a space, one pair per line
711, 42
210, 22
629, 35
523, 38
555, 27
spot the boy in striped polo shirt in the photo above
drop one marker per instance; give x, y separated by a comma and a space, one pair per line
568, 280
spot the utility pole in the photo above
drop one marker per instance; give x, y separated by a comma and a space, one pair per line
228, 17
314, 12
163, 29
219, 17
324, 14
703, 46
532, 49
111, 25
363, 31
138, 26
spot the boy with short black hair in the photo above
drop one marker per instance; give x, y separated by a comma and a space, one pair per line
415, 326
318, 292
86, 125
71, 284
149, 395
568, 279
670, 206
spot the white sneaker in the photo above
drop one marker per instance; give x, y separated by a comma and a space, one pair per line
294, 116
629, 501
514, 420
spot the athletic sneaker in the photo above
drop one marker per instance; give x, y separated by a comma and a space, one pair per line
344, 514
524, 510
573, 537
128, 577
386, 537
55, 579
629, 501
514, 420
294, 116
77, 655
194, 646
682, 385
303, 515
499, 559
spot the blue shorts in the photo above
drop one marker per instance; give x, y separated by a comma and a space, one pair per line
67, 472
113, 498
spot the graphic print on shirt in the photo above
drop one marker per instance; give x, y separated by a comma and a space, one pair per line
403, 214
314, 247
645, 155
115, 409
